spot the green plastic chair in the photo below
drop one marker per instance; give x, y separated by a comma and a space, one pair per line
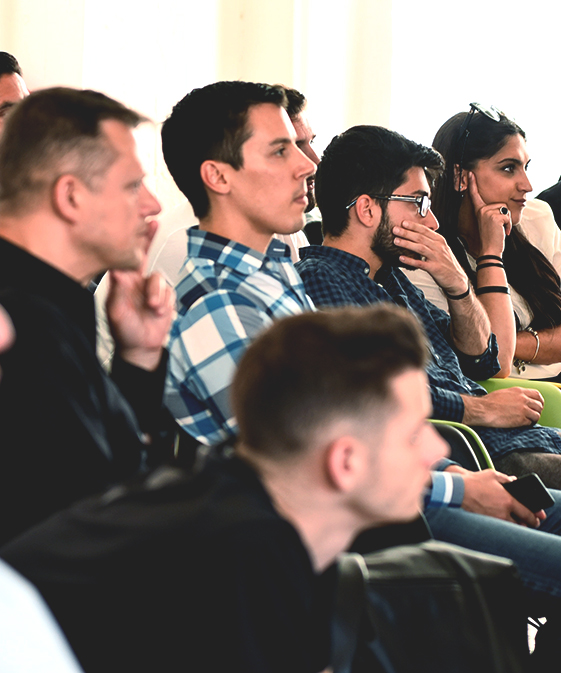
551, 392
474, 440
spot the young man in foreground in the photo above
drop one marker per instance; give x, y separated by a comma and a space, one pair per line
224, 569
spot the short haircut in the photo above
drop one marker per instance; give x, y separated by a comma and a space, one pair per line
53, 132
310, 370
366, 160
9, 65
296, 101
211, 123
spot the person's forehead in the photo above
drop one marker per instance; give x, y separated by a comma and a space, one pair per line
302, 126
415, 181
268, 122
12, 88
515, 148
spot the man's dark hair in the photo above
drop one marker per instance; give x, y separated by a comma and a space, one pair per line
9, 65
309, 370
52, 132
366, 160
211, 123
296, 101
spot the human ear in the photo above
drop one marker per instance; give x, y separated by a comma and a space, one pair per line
463, 185
344, 462
67, 198
368, 211
214, 175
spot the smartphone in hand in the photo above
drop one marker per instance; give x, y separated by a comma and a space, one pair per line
531, 492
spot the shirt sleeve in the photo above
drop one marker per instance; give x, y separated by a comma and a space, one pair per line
206, 344
447, 490
475, 367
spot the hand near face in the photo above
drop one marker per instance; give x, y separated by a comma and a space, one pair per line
493, 225
140, 311
436, 257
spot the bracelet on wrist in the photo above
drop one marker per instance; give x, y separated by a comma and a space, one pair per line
500, 265
482, 258
488, 289
458, 296
521, 364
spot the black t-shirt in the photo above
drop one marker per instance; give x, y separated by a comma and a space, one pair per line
181, 573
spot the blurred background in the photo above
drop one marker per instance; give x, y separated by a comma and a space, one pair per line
405, 64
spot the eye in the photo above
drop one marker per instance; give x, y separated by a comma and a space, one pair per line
280, 152
509, 168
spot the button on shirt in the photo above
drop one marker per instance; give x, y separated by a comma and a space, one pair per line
336, 278
227, 294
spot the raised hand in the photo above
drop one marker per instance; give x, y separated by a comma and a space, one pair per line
493, 220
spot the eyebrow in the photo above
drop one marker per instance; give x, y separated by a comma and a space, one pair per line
6, 105
513, 161
280, 141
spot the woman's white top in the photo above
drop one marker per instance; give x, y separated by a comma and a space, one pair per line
540, 228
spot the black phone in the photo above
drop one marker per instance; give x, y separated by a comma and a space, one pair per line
531, 492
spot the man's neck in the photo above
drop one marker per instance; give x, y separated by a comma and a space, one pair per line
356, 247
48, 245
237, 229
325, 528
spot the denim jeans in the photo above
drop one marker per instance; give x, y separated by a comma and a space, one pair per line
536, 552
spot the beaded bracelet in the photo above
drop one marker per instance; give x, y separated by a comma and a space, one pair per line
521, 364
492, 288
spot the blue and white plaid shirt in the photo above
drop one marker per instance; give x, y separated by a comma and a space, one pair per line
227, 294
336, 278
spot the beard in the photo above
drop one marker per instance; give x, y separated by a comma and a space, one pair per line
311, 195
383, 245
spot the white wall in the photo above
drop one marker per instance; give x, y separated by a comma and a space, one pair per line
448, 54
337, 51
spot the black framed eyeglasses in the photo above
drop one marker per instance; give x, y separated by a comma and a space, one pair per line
423, 202
491, 112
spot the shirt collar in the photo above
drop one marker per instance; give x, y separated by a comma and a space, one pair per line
353, 263
22, 271
205, 244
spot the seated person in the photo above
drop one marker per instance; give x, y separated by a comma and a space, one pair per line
12, 86
72, 203
225, 569
30, 638
552, 195
231, 149
481, 196
373, 189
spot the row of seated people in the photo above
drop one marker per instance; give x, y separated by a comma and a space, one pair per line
73, 204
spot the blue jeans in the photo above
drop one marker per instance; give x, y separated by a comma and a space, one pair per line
536, 552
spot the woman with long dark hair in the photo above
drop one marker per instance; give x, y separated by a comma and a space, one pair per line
482, 195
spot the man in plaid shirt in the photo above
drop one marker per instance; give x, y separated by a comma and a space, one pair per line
231, 149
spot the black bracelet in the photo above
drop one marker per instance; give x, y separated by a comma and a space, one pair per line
487, 264
483, 257
492, 288
458, 296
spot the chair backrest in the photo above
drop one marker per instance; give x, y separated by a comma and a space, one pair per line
460, 449
479, 450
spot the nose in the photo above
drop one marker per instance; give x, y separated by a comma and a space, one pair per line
311, 154
430, 221
525, 185
305, 166
149, 204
